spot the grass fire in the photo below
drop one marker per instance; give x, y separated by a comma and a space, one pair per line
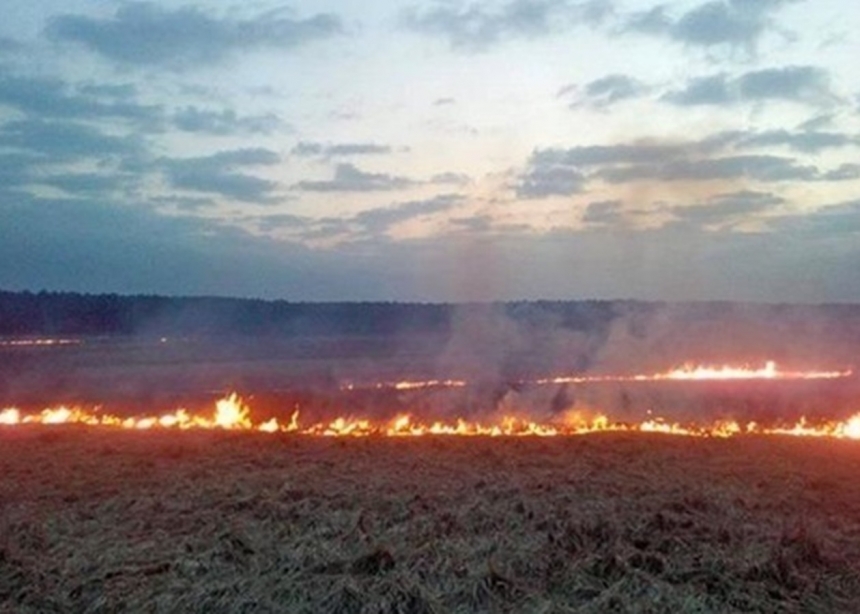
233, 414
550, 459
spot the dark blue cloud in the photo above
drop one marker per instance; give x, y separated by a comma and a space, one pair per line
807, 142
606, 91
730, 23
224, 122
806, 84
51, 99
542, 180
91, 245
723, 210
349, 178
604, 212
308, 149
144, 34
476, 27
379, 220
217, 174
765, 168
66, 140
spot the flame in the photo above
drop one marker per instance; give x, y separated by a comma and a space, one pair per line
10, 416
689, 372
38, 342
231, 413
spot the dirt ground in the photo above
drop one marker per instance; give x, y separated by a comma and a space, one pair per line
108, 521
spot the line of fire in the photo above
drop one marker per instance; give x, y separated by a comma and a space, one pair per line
231, 412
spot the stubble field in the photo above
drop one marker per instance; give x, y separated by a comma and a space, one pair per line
107, 521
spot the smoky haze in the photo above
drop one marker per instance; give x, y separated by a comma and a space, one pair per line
147, 354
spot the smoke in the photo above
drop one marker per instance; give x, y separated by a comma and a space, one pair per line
282, 355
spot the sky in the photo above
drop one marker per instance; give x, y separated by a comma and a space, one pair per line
432, 150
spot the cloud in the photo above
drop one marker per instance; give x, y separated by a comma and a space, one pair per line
52, 99
376, 221
146, 34
544, 180
16, 168
604, 92
224, 122
349, 178
450, 178
88, 245
817, 122
716, 157
831, 221
731, 23
629, 153
9, 44
710, 90
472, 224
807, 142
48, 98
86, 183
801, 83
308, 149
65, 140
363, 226
476, 27
765, 168
216, 174
653, 21
604, 212
806, 84
845, 172
724, 211
276, 221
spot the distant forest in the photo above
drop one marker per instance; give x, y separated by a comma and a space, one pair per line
69, 313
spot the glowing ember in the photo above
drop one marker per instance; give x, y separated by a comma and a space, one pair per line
38, 342
413, 384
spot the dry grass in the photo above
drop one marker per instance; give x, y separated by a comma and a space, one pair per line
96, 521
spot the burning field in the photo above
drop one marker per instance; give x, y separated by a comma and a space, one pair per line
100, 520
500, 466
229, 511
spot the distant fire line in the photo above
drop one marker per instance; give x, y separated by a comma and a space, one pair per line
685, 373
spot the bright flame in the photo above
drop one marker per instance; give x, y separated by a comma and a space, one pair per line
690, 372
38, 342
10, 416
231, 413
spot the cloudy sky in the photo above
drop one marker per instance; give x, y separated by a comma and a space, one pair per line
432, 150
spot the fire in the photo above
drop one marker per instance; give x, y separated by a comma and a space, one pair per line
686, 372
231, 413
38, 342
690, 372
769, 371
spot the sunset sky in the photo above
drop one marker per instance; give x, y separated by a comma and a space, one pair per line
432, 151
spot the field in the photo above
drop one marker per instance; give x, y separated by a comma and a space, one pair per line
106, 521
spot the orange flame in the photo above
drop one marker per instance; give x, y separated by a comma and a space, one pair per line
690, 372
231, 413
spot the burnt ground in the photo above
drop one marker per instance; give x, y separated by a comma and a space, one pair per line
108, 521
